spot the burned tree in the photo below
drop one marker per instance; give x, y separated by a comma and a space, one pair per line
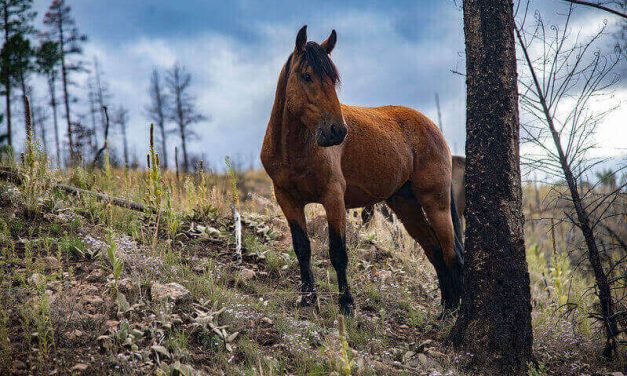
48, 58
494, 321
183, 110
157, 111
62, 29
562, 77
121, 119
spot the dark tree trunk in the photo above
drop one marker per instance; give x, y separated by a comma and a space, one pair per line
53, 104
66, 97
494, 322
7, 79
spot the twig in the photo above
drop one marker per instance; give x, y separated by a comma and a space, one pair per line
598, 6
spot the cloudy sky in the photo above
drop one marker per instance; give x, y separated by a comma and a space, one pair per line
401, 52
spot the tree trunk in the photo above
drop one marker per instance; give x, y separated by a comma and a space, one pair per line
7, 79
53, 104
494, 322
164, 150
123, 125
66, 98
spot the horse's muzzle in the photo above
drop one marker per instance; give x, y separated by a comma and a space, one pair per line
331, 136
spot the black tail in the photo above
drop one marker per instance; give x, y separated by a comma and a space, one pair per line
457, 229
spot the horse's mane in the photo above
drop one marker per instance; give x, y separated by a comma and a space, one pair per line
317, 58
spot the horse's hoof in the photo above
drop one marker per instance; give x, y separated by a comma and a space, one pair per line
308, 299
346, 310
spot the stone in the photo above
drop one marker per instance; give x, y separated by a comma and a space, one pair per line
267, 320
247, 274
51, 263
79, 367
173, 291
161, 351
423, 345
35, 279
96, 275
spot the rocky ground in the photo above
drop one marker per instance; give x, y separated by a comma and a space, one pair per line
87, 288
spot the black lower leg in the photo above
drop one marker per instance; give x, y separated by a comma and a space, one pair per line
302, 248
449, 278
339, 259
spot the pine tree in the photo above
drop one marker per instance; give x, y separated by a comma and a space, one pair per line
15, 17
62, 29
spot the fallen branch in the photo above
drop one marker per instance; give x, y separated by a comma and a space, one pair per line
14, 177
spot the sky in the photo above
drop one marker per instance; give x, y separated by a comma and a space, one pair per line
401, 52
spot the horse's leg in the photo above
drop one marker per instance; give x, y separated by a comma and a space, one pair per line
294, 212
336, 216
409, 212
436, 202
366, 214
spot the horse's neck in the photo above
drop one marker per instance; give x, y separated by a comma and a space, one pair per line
286, 138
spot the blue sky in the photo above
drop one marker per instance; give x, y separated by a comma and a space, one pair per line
400, 52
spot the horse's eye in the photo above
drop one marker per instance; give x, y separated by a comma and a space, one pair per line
307, 77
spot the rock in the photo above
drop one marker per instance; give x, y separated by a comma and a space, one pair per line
160, 351
423, 360
79, 367
173, 291
35, 279
267, 320
51, 263
112, 325
94, 300
423, 345
407, 356
96, 275
247, 274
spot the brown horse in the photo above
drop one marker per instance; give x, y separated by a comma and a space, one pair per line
317, 150
459, 195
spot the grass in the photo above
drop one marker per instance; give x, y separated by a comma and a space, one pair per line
393, 284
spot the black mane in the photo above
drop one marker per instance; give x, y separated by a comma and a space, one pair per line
317, 58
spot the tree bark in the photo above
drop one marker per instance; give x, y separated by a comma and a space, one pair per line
7, 79
494, 321
53, 104
66, 97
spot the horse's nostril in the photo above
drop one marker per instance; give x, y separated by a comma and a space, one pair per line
333, 129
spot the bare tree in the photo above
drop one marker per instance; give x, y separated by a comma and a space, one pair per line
157, 111
121, 119
48, 58
183, 110
561, 78
494, 321
62, 29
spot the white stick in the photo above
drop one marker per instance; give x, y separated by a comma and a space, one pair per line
237, 221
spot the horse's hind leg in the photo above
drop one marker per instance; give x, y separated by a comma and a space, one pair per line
410, 211
436, 202
294, 212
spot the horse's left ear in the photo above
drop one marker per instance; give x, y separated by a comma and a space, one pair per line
329, 44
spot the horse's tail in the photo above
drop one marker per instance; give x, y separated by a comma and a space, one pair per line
457, 229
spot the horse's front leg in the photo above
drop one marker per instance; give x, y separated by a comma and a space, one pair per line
336, 216
294, 212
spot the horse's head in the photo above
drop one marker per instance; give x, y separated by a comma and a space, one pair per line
310, 93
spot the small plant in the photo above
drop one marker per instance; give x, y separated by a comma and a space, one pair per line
233, 178
112, 258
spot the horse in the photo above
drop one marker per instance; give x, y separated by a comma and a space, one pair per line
316, 150
459, 195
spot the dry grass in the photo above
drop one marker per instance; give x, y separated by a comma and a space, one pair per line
80, 272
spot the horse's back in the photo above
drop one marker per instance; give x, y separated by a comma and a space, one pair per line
386, 147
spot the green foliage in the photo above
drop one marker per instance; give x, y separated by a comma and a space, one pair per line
112, 259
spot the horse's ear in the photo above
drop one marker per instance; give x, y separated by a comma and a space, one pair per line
329, 44
301, 39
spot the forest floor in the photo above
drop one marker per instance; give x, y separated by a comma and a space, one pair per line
90, 288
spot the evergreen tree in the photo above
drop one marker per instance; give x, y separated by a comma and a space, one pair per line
15, 17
